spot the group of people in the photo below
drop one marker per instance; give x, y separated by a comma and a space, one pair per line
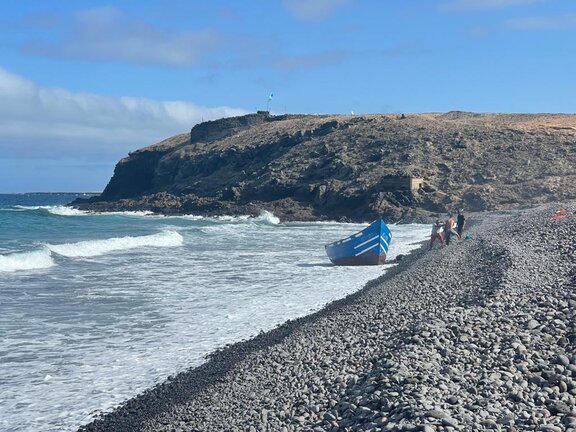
443, 231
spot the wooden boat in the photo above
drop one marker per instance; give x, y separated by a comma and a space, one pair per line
367, 247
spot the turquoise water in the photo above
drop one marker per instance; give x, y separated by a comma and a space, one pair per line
95, 308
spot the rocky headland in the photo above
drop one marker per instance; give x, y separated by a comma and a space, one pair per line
478, 335
350, 167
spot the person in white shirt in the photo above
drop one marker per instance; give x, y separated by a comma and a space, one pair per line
437, 233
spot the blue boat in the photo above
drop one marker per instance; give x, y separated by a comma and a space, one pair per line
367, 247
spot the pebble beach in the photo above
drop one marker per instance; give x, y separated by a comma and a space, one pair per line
477, 335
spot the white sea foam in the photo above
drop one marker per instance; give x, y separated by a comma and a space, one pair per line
24, 207
32, 260
232, 218
127, 213
188, 217
12, 209
265, 216
65, 211
268, 217
60, 210
90, 248
42, 258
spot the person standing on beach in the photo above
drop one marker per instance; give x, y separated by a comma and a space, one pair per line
437, 229
460, 221
449, 229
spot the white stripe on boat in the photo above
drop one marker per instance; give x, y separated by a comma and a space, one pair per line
367, 241
384, 240
367, 249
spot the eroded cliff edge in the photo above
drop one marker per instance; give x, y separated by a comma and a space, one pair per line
355, 167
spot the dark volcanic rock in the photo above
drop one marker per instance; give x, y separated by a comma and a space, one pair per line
350, 167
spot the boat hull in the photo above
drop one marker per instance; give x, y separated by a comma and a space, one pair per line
367, 247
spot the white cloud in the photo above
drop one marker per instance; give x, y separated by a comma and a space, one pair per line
313, 9
543, 23
108, 34
484, 4
37, 121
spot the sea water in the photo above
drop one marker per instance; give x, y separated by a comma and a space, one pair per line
95, 308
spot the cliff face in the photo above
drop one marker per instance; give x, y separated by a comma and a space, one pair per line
304, 167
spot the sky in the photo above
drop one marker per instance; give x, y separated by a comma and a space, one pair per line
82, 84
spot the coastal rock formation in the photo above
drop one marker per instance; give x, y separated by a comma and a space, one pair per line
350, 167
479, 335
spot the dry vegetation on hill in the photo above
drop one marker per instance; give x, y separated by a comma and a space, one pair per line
304, 167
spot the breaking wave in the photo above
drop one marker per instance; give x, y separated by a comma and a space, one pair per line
42, 258
61, 210
265, 217
90, 248
19, 261
268, 217
58, 210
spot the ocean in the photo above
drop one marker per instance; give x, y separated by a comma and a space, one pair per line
95, 308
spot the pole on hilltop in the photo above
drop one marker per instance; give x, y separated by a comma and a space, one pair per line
268, 103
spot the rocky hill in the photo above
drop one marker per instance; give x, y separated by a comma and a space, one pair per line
352, 167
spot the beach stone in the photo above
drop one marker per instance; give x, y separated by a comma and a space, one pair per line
329, 416
449, 421
538, 380
550, 428
452, 400
559, 407
391, 426
435, 413
507, 420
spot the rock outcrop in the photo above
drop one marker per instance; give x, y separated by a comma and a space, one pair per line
350, 167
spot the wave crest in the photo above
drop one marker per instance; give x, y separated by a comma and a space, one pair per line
62, 210
91, 248
33, 260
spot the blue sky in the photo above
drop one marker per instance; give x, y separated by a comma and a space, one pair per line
84, 83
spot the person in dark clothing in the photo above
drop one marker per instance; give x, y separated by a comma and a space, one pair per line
460, 221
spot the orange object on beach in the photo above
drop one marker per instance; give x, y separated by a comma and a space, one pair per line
560, 211
558, 216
